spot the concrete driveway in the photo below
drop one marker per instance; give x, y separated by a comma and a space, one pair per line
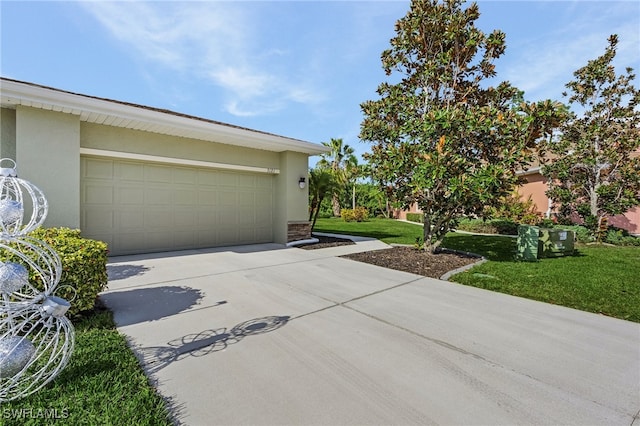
263, 335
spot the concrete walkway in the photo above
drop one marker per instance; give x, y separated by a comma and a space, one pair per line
262, 335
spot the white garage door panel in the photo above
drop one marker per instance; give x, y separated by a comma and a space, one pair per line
139, 207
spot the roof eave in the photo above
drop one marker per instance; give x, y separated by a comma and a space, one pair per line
119, 114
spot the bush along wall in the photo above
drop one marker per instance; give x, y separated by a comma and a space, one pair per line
359, 214
415, 217
493, 226
84, 266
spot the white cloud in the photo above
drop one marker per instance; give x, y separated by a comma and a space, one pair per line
215, 41
244, 82
545, 62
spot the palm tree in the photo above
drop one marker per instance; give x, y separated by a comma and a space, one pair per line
321, 183
353, 172
337, 160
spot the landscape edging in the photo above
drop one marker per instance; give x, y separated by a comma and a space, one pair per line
446, 276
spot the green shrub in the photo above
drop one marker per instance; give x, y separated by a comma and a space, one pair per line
546, 223
505, 227
84, 266
359, 214
513, 209
415, 217
583, 235
620, 237
494, 226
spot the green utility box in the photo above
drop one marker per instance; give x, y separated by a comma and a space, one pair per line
527, 245
535, 243
555, 242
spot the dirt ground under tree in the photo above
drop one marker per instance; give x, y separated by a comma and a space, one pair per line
407, 259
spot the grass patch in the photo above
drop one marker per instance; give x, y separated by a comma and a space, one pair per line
494, 247
387, 230
102, 384
599, 279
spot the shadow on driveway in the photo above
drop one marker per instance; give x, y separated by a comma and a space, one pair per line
120, 272
166, 301
205, 342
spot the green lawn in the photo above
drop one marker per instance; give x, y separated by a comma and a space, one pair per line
389, 231
102, 385
600, 279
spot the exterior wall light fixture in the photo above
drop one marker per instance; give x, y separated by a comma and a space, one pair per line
301, 183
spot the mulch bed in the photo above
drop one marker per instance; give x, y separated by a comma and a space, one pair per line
406, 259
418, 262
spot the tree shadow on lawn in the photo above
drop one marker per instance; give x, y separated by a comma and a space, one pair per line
498, 248
494, 247
378, 235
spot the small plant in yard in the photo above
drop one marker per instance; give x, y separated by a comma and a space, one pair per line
359, 214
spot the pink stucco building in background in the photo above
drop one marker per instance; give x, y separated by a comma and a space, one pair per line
536, 186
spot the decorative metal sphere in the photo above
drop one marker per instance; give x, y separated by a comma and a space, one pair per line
15, 353
55, 306
13, 276
12, 203
36, 339
40, 258
10, 212
52, 339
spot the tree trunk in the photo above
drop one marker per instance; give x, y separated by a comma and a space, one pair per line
353, 197
317, 211
313, 206
433, 233
593, 202
335, 203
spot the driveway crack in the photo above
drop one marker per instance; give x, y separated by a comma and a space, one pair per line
335, 304
422, 336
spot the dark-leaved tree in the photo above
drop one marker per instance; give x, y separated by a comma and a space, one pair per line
442, 136
594, 168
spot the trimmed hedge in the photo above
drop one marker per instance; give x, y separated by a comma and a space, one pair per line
415, 217
494, 226
84, 266
359, 214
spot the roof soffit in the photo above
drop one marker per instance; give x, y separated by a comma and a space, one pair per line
138, 117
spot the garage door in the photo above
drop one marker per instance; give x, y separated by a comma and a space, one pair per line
141, 207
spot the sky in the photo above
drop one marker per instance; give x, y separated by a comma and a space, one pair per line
299, 69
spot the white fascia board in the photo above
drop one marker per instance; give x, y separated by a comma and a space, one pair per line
16, 93
176, 161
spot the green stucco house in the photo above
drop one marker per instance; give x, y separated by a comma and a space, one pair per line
146, 180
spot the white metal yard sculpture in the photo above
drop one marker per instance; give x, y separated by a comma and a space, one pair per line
36, 339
